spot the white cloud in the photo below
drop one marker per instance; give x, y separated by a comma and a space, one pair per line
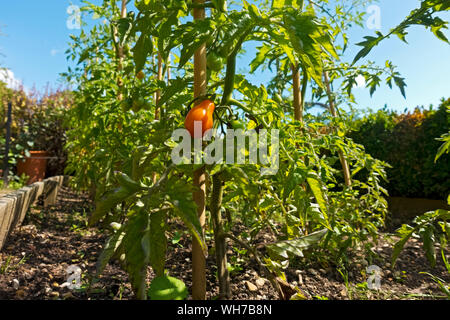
54, 52
8, 77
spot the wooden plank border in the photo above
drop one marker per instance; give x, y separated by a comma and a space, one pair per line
15, 205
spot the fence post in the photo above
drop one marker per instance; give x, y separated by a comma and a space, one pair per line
7, 143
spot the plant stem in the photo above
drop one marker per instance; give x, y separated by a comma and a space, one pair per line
304, 87
219, 239
262, 266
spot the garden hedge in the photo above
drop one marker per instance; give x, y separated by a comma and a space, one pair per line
38, 123
407, 141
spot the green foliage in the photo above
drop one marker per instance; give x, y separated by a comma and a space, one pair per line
445, 147
443, 286
428, 227
307, 194
38, 123
408, 143
157, 241
120, 150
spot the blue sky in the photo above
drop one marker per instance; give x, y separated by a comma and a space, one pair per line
34, 37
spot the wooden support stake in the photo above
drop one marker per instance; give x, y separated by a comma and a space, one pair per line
198, 257
343, 160
297, 103
7, 143
157, 97
123, 14
158, 92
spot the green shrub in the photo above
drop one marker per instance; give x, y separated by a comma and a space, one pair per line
408, 143
38, 123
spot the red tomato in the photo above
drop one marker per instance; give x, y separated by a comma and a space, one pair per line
202, 112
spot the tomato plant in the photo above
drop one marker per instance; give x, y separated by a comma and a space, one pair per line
325, 197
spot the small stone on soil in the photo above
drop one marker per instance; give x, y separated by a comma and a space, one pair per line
260, 282
15, 284
313, 272
250, 286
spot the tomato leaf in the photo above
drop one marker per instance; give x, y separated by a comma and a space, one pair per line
428, 245
108, 202
316, 189
158, 241
142, 49
282, 249
108, 251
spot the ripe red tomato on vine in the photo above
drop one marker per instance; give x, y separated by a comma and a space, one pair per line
203, 112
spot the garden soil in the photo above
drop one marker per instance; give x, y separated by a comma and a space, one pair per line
35, 259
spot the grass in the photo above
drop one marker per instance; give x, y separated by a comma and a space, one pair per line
8, 266
14, 184
4, 191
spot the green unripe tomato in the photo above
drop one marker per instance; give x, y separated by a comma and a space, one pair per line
126, 104
214, 62
136, 107
138, 104
236, 125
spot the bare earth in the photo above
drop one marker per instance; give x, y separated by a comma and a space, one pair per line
33, 265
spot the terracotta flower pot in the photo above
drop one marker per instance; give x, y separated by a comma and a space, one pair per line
33, 166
